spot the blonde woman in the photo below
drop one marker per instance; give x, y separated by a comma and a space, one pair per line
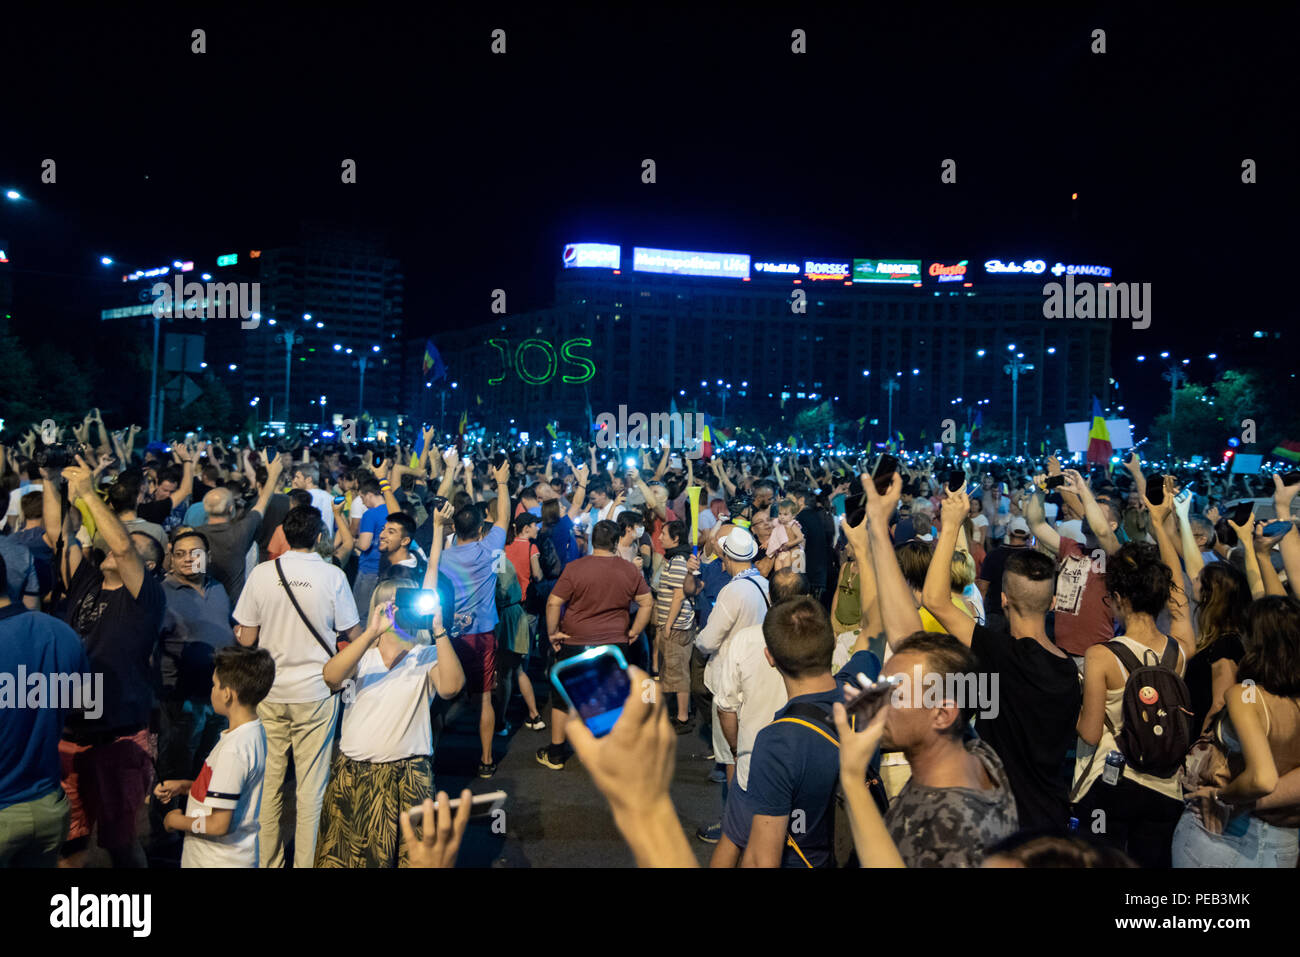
384, 764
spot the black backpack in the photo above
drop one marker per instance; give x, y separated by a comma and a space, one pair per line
548, 555
808, 715
1157, 730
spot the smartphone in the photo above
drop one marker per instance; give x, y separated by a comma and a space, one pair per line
872, 695
340, 499
1054, 481
499, 459
481, 805
1241, 514
1276, 528
1291, 478
595, 684
414, 608
438, 502
883, 474
674, 461
1156, 490
956, 480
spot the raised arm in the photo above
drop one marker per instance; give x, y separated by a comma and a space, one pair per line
1036, 519
938, 579
1246, 535
897, 605
441, 516
1192, 559
500, 476
129, 564
580, 494
273, 472
1097, 521
1290, 544
1134, 466
1180, 619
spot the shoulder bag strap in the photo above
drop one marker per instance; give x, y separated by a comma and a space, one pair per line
766, 601
279, 570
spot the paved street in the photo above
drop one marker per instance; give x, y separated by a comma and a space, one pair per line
558, 818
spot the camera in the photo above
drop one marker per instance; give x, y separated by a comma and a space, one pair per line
56, 457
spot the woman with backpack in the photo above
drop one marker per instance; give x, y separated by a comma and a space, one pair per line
1135, 726
1232, 822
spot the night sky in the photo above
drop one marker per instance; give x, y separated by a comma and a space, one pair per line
479, 167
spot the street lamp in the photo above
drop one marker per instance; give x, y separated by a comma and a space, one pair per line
1175, 377
1013, 369
891, 386
289, 340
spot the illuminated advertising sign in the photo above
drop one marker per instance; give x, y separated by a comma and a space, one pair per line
885, 270
228, 260
949, 272
686, 263
159, 271
777, 269
592, 256
1030, 267
827, 270
1061, 268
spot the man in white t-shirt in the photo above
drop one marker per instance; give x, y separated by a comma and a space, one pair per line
604, 507
220, 820
300, 714
306, 475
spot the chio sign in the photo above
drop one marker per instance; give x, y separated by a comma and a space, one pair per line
942, 272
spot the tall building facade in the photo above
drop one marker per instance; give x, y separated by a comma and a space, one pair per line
771, 339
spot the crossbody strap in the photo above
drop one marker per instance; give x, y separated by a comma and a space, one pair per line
279, 570
766, 601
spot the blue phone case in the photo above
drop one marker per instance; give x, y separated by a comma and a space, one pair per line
599, 725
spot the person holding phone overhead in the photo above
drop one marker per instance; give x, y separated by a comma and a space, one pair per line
384, 764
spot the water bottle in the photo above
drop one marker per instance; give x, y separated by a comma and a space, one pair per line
1114, 767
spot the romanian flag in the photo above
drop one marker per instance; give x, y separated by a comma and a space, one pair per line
433, 361
901, 440
464, 422
551, 430
975, 429
1288, 449
1099, 449
706, 439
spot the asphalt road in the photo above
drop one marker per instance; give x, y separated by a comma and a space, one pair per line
557, 818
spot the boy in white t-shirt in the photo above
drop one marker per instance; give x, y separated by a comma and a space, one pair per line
220, 820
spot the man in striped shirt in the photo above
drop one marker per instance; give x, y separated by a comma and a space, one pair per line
675, 619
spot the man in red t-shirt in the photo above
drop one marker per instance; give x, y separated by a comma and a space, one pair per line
1082, 617
589, 606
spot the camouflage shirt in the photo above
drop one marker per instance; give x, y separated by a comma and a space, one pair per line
951, 827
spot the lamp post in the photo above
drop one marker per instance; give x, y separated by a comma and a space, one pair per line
1013, 369
289, 339
1175, 376
891, 386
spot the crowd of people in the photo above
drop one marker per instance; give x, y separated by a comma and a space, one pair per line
1088, 669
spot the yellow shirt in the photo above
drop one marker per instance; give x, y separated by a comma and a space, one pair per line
930, 623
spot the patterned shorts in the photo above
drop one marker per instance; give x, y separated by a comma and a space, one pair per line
359, 817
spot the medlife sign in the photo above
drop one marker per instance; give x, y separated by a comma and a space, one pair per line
1090, 300
213, 300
